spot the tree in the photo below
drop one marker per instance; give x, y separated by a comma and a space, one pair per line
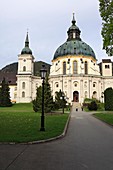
48, 98
59, 101
38, 101
108, 99
106, 12
5, 100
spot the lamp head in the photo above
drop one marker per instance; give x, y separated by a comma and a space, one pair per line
43, 72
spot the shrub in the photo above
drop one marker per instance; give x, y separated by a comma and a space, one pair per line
87, 100
100, 106
108, 98
92, 106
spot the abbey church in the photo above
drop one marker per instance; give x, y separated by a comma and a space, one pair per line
74, 70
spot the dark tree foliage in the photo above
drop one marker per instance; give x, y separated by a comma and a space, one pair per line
38, 101
5, 94
59, 101
48, 98
93, 106
106, 12
108, 99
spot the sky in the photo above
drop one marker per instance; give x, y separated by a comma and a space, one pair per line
47, 23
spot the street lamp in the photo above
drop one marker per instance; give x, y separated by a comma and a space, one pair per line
63, 102
62, 98
43, 72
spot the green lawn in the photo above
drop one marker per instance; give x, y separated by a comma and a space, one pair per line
20, 123
106, 117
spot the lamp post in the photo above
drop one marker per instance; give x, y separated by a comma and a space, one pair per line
62, 98
63, 102
43, 72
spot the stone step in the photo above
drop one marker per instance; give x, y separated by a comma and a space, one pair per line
76, 105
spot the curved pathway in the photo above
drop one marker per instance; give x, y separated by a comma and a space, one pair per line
88, 144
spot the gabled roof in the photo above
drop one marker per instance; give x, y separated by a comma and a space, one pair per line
106, 61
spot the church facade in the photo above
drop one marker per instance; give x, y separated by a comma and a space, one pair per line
74, 71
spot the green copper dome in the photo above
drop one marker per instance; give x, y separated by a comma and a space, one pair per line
26, 49
74, 45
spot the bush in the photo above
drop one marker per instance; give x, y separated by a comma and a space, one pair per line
93, 106
100, 106
108, 98
87, 100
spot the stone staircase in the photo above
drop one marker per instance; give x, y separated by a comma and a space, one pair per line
76, 105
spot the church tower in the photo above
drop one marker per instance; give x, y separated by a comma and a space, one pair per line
25, 74
26, 59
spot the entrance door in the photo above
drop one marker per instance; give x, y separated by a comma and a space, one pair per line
75, 96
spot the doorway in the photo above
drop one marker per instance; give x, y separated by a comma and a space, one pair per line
75, 96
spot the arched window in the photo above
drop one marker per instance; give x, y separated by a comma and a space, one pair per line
23, 94
75, 69
23, 85
94, 94
24, 68
86, 67
85, 84
94, 84
75, 84
56, 85
85, 94
36, 85
64, 67
65, 84
15, 95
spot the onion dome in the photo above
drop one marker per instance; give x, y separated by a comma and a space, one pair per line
26, 49
74, 45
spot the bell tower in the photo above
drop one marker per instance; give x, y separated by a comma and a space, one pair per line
25, 74
26, 59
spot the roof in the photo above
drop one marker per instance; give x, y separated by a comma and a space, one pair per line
9, 77
74, 47
26, 49
106, 61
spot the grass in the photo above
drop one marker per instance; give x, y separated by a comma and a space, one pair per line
20, 123
106, 117
18, 107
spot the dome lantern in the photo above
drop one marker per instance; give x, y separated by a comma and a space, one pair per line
73, 32
74, 45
